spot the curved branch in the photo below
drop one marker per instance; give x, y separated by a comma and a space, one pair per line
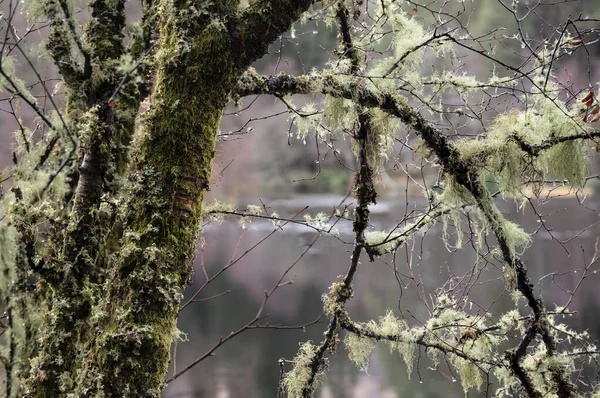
347, 324
448, 156
535, 150
261, 24
366, 194
59, 44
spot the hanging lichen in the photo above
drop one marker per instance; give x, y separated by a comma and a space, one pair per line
294, 381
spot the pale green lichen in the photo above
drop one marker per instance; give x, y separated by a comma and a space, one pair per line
507, 382
382, 136
470, 376
457, 329
510, 320
331, 301
449, 328
462, 83
359, 349
380, 243
214, 212
275, 219
501, 155
407, 45
516, 238
409, 34
296, 380
454, 195
308, 121
453, 216
340, 112
11, 83
397, 335
383, 242
254, 210
321, 222
404, 344
8, 243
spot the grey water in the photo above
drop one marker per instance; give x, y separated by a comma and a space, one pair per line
248, 365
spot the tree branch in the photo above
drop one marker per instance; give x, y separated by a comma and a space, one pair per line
59, 44
448, 156
366, 195
261, 24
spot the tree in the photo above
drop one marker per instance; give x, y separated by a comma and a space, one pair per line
100, 226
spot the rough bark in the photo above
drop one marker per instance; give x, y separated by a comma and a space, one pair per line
103, 128
199, 61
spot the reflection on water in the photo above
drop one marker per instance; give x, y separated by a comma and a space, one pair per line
247, 366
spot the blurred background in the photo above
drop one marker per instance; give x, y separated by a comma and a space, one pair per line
261, 162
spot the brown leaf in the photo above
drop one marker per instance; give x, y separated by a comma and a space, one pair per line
592, 118
589, 96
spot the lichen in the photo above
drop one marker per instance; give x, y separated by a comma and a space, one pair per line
380, 242
10, 82
382, 136
8, 243
295, 381
359, 349
404, 345
396, 333
321, 222
214, 212
383, 242
501, 152
340, 113
516, 238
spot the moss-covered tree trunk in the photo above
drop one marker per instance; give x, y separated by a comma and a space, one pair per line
202, 54
110, 336
173, 167
103, 128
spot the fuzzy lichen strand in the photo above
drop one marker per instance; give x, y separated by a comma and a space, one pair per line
295, 381
359, 349
380, 243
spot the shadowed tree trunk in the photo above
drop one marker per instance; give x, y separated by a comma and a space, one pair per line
200, 54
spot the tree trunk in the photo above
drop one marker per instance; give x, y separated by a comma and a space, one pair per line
173, 167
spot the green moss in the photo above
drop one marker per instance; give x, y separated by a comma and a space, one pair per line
173, 166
